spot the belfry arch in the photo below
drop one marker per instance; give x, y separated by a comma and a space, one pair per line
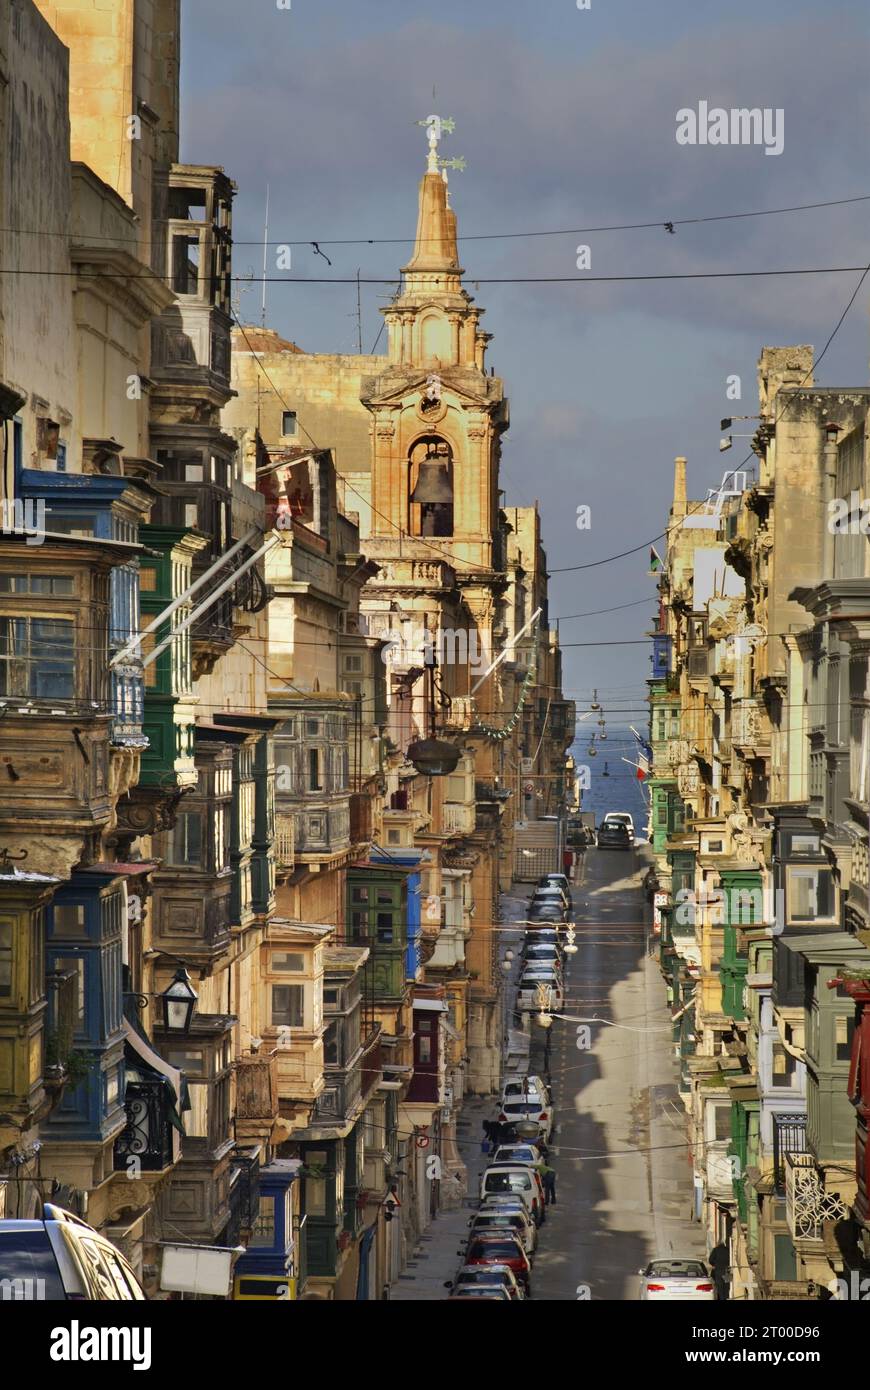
430, 487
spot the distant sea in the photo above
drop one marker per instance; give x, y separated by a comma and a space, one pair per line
619, 790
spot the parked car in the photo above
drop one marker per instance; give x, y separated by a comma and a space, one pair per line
545, 954
528, 1113
506, 1219
517, 1153
560, 879
667, 1280
62, 1257
483, 1276
550, 911
525, 1086
520, 1181
552, 890
527, 990
545, 932
500, 1248
543, 896
613, 835
620, 818
486, 1293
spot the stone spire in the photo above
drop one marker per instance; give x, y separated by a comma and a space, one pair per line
435, 246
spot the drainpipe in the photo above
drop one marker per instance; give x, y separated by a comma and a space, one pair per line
828, 493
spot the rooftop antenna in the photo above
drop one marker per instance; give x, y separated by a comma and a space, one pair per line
265, 257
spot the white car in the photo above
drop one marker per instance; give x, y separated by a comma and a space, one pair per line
530, 1112
669, 1280
517, 1180
517, 1153
623, 818
521, 1086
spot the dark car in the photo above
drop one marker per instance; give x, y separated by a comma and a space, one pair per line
613, 835
550, 911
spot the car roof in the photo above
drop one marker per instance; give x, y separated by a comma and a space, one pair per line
505, 1168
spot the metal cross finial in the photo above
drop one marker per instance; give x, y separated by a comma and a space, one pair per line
437, 127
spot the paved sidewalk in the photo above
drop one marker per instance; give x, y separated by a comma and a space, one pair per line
435, 1260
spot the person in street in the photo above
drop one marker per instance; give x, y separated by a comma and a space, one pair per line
720, 1263
548, 1178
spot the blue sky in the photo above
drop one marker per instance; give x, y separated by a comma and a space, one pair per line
567, 120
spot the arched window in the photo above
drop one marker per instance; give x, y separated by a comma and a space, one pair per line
430, 487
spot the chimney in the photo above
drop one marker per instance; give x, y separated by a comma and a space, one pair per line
679, 503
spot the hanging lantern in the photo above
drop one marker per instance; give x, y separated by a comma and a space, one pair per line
434, 757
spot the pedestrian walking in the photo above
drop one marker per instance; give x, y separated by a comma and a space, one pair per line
548, 1178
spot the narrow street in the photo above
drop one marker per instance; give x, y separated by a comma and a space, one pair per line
623, 1173
624, 1179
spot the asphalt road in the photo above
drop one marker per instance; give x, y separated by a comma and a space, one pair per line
624, 1179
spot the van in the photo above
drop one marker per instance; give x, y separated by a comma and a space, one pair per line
518, 1179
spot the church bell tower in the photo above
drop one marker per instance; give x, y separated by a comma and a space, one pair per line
437, 416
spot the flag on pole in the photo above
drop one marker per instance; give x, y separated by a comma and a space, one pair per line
655, 560
643, 746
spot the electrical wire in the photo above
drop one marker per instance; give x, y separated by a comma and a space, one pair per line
792, 390
485, 236
580, 279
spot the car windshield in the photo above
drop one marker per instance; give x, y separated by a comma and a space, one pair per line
27, 1263
521, 1155
526, 1107
676, 1269
507, 1182
521, 1088
484, 1276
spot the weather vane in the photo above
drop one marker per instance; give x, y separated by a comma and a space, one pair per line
437, 127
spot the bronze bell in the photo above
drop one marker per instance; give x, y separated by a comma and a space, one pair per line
433, 484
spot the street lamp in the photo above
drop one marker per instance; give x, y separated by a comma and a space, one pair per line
434, 757
543, 1017
178, 1001
570, 948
